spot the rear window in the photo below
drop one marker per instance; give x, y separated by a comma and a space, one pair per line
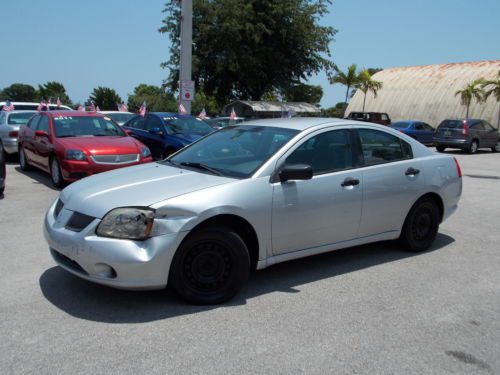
451, 124
20, 118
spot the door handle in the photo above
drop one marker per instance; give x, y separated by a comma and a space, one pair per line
412, 171
349, 181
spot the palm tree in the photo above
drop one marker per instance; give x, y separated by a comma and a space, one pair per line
492, 87
366, 84
472, 90
348, 79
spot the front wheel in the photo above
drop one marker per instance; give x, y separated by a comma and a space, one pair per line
210, 266
23, 161
55, 173
421, 225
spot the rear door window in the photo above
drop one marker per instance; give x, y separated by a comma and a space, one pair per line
452, 124
137, 123
380, 147
43, 124
33, 124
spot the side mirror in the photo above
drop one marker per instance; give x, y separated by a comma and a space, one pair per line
296, 172
41, 133
155, 131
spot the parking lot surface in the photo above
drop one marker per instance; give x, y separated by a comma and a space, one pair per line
366, 310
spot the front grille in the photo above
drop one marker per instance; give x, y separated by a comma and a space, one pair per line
78, 222
67, 262
115, 159
58, 208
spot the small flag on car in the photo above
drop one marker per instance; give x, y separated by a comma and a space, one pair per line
81, 108
92, 106
203, 114
142, 109
8, 106
41, 105
122, 107
182, 110
232, 116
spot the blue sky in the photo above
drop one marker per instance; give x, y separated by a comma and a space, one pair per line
116, 43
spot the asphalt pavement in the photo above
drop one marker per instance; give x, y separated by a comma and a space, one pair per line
372, 309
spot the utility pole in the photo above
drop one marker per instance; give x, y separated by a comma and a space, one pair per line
186, 53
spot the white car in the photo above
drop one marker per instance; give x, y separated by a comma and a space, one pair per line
118, 116
32, 106
247, 197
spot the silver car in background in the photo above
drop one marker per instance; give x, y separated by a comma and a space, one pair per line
247, 197
9, 128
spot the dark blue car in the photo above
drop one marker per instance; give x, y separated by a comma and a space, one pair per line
165, 132
422, 132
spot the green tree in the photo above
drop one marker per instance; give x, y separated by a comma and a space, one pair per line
202, 101
367, 84
244, 48
492, 87
105, 98
155, 97
19, 92
472, 90
53, 90
337, 111
349, 78
302, 92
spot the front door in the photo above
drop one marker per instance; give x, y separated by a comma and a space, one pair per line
326, 209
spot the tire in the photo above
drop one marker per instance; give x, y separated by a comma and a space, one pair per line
472, 148
496, 148
23, 161
421, 225
210, 266
440, 148
55, 173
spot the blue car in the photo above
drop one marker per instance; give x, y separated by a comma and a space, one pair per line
166, 132
422, 132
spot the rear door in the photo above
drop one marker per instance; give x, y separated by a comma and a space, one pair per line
136, 126
490, 134
392, 181
28, 137
477, 131
42, 145
155, 141
428, 133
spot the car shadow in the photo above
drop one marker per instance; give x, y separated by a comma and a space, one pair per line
39, 177
86, 300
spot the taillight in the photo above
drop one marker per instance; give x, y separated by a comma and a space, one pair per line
459, 171
13, 134
465, 129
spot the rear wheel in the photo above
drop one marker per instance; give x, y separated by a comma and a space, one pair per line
472, 148
440, 148
496, 148
210, 266
23, 161
421, 225
55, 173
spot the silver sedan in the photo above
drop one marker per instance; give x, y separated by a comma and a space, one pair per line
9, 128
247, 197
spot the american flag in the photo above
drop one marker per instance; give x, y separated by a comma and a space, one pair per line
203, 114
41, 105
81, 108
58, 102
8, 106
92, 106
142, 109
182, 110
122, 107
232, 116
97, 109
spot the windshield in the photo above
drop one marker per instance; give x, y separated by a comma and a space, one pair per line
235, 151
20, 118
120, 117
179, 125
85, 126
400, 125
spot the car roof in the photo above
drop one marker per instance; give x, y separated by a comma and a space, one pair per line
60, 113
106, 112
169, 114
300, 123
21, 111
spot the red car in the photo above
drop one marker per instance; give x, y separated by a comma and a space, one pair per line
72, 144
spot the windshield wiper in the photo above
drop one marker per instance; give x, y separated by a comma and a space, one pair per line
201, 166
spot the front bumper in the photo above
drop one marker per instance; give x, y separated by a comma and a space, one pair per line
73, 170
123, 264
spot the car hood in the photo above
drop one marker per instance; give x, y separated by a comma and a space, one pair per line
102, 145
141, 185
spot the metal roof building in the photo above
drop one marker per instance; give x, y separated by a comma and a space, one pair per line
248, 108
427, 93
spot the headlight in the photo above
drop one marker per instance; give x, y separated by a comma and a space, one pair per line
128, 223
75, 155
145, 152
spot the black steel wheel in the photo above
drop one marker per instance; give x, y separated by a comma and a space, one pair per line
421, 225
440, 148
210, 266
